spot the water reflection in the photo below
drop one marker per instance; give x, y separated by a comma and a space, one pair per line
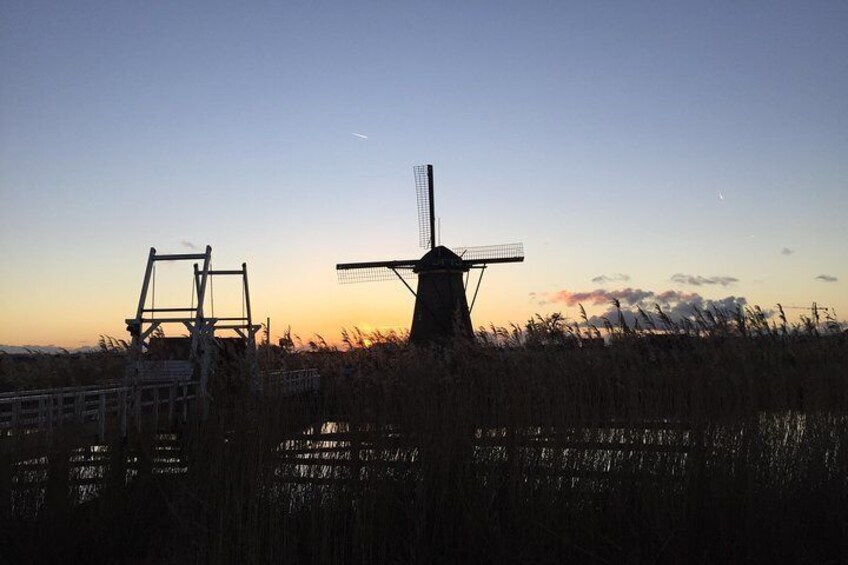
83, 472
586, 457
586, 452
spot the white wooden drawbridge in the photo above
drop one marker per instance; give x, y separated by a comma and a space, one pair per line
194, 356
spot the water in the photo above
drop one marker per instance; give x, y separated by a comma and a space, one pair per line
588, 457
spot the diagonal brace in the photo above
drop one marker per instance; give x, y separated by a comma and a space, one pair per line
406, 284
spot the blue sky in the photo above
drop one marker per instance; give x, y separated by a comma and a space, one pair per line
648, 139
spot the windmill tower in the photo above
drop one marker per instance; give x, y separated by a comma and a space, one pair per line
441, 308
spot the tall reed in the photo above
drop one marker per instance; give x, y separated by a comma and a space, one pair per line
509, 452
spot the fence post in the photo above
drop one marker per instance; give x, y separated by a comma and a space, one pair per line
137, 394
172, 401
156, 408
79, 402
60, 408
101, 417
49, 415
185, 403
42, 424
16, 414
122, 412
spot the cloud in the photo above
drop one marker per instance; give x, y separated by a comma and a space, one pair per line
698, 280
827, 278
677, 306
669, 296
186, 243
600, 296
628, 296
787, 251
359, 135
533, 297
616, 277
674, 303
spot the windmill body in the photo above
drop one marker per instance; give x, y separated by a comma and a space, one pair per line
441, 307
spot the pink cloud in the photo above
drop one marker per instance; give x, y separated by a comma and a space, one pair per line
601, 296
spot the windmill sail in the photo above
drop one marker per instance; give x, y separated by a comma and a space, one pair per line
426, 215
503, 253
375, 271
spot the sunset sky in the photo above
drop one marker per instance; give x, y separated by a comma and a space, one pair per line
670, 152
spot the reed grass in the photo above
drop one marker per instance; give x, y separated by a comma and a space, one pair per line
473, 460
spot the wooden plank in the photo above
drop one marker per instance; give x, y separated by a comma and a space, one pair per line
35, 393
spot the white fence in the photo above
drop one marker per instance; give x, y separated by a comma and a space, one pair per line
287, 383
25, 412
159, 370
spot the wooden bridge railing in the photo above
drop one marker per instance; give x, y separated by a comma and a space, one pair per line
26, 412
288, 383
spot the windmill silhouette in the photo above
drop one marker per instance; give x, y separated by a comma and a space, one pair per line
441, 308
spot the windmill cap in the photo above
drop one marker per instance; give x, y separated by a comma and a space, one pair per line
440, 258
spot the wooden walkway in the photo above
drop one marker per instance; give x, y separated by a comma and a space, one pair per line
121, 407
96, 408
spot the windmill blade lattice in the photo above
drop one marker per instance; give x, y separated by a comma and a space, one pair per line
503, 253
374, 274
425, 205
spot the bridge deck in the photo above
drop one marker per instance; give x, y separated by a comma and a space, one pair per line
153, 405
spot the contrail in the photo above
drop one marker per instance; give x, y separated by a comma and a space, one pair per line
360, 136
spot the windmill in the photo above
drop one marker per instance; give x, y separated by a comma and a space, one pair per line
441, 308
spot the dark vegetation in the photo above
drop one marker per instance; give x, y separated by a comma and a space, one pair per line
760, 408
46, 370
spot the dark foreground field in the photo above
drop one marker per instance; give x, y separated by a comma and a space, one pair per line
718, 450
